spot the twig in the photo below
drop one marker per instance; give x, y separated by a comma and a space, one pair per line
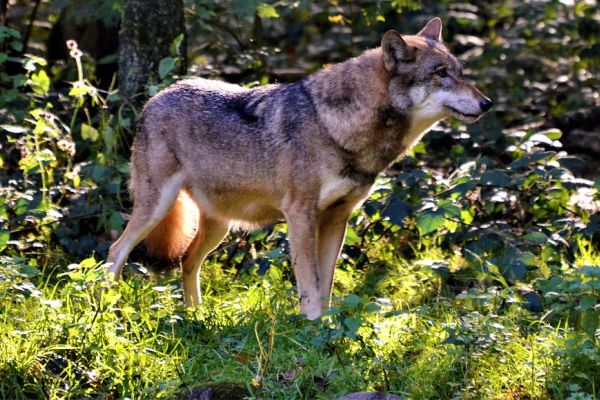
30, 26
3, 12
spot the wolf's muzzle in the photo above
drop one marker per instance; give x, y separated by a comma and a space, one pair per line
485, 104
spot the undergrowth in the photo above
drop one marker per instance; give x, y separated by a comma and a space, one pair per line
471, 272
417, 337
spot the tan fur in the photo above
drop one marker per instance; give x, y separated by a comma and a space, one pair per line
171, 238
308, 152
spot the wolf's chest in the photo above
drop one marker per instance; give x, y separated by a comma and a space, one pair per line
336, 188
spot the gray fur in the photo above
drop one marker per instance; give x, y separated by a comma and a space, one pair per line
308, 152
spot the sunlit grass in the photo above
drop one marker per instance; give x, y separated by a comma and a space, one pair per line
407, 332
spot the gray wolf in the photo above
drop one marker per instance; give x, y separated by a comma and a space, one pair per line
209, 155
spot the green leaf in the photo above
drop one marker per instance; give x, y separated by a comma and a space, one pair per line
116, 221
89, 262
352, 300
109, 136
333, 310
458, 340
396, 210
10, 95
593, 225
496, 178
529, 158
21, 206
351, 237
533, 302
419, 148
587, 303
125, 122
462, 188
267, 11
165, 67
176, 45
590, 320
352, 325
6, 32
40, 82
591, 271
244, 8
29, 270
553, 134
153, 89
123, 167
17, 45
449, 209
89, 133
33, 61
372, 307
28, 163
79, 90
4, 238
517, 270
536, 238
528, 259
19, 80
430, 221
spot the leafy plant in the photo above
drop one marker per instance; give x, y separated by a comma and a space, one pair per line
471, 271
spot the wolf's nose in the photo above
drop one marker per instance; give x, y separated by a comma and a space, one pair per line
485, 104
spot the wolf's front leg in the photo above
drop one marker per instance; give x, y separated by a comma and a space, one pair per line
302, 235
332, 230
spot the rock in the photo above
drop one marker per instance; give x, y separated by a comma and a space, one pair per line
370, 396
217, 391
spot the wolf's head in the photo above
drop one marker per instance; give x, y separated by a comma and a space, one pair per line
426, 80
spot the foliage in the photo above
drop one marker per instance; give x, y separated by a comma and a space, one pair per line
471, 272
139, 340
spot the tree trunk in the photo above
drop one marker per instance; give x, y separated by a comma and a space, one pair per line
148, 28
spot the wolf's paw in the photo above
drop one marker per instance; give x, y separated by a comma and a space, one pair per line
312, 310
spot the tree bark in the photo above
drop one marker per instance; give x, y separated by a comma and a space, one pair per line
148, 28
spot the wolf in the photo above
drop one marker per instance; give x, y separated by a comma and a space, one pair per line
209, 156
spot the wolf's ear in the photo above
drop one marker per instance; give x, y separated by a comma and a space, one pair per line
395, 49
433, 30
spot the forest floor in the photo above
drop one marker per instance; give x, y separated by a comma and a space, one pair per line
396, 326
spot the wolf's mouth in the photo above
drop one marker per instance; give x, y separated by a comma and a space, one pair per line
469, 116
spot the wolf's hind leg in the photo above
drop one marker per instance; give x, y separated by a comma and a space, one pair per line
149, 208
209, 235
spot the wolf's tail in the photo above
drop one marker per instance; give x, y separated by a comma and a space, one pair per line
171, 238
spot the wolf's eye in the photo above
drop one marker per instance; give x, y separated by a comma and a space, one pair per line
442, 72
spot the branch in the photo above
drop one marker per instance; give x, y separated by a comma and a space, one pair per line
30, 26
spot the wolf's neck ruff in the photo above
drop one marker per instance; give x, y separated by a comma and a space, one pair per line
355, 109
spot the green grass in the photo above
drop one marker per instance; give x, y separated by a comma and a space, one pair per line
399, 326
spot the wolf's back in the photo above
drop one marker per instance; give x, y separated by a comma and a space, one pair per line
222, 137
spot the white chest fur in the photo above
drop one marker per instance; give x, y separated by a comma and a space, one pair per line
336, 188
426, 111
333, 188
